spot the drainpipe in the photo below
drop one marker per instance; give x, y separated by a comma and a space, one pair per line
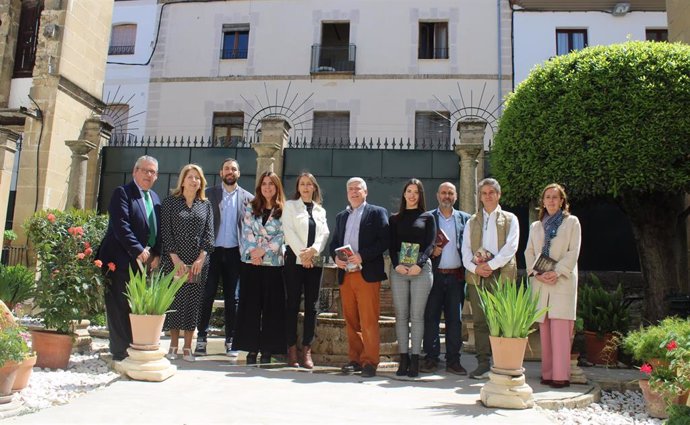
500, 58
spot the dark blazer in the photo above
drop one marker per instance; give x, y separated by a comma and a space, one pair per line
128, 228
373, 241
215, 196
461, 218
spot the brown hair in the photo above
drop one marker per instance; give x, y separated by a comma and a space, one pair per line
201, 193
421, 205
316, 196
259, 203
565, 206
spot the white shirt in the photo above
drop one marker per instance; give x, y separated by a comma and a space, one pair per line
490, 242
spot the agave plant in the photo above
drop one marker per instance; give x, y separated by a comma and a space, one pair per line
152, 294
510, 309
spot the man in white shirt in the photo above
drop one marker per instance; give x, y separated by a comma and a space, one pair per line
496, 232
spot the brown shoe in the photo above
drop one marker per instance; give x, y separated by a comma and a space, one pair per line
428, 366
292, 356
559, 384
307, 362
456, 368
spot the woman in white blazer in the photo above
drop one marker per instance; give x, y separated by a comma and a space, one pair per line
306, 233
557, 235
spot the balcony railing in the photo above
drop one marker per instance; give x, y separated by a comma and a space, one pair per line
326, 59
233, 53
433, 53
121, 50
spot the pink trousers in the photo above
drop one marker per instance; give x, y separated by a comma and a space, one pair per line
556, 335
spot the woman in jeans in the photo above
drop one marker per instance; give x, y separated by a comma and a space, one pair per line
306, 233
412, 236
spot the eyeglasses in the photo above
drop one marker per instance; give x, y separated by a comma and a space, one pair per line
148, 172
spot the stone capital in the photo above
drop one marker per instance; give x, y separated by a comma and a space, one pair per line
80, 146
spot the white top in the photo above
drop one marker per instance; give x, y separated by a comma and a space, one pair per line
295, 221
490, 242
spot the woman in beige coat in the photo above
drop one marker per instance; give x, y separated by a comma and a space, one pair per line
555, 235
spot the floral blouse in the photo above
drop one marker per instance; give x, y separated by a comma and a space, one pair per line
269, 237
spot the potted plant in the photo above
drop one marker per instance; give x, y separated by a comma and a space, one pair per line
16, 285
13, 350
8, 236
69, 283
510, 311
605, 317
149, 297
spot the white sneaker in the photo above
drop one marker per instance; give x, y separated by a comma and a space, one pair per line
230, 352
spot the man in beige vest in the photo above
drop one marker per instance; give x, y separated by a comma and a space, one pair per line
490, 240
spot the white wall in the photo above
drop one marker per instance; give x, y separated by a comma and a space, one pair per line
535, 32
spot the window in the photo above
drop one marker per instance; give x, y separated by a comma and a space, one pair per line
235, 41
331, 129
122, 39
569, 40
27, 38
433, 40
432, 129
228, 128
335, 53
656, 34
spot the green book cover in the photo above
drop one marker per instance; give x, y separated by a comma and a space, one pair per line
409, 253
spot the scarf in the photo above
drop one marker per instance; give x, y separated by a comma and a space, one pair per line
551, 225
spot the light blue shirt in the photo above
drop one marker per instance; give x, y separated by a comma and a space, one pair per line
352, 227
227, 231
450, 257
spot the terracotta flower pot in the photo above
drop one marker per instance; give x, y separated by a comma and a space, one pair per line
654, 402
146, 329
8, 373
24, 373
595, 345
508, 353
53, 349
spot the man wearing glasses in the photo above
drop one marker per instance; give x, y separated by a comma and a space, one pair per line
132, 238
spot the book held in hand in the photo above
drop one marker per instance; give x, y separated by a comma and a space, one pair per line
441, 239
409, 253
343, 253
482, 256
543, 264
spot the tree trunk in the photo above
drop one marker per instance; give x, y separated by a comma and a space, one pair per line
654, 222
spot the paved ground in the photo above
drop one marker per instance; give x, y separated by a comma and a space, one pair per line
216, 390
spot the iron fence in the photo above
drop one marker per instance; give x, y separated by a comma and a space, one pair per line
121, 50
325, 59
13, 255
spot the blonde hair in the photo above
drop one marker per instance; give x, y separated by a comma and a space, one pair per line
201, 193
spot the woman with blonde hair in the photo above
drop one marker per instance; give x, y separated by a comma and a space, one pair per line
187, 233
261, 311
555, 235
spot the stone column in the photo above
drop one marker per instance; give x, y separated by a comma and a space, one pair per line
98, 132
76, 191
8, 148
269, 150
471, 143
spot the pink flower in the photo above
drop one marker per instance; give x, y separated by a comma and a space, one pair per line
51, 217
88, 251
81, 256
111, 266
98, 263
76, 231
671, 345
646, 368
87, 245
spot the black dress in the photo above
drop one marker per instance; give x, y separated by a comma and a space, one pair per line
186, 232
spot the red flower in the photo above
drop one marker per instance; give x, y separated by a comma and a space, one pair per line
98, 263
87, 245
51, 217
111, 266
81, 256
671, 345
88, 251
646, 368
76, 231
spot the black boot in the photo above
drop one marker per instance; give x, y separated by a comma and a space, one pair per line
413, 372
251, 358
404, 364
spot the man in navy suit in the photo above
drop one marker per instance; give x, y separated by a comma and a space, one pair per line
228, 201
365, 228
132, 237
448, 290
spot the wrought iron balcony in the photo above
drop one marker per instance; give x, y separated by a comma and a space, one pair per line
233, 53
121, 50
330, 59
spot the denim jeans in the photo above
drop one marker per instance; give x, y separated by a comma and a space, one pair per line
447, 295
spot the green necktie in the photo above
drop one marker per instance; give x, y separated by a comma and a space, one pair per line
150, 217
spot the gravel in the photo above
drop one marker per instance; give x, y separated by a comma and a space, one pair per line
615, 408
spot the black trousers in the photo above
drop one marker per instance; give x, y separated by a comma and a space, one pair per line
117, 313
261, 311
298, 280
225, 265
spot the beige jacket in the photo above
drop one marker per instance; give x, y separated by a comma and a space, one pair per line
561, 297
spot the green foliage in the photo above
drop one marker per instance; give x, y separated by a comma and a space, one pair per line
13, 345
602, 311
678, 415
69, 285
650, 342
154, 293
510, 309
9, 235
603, 121
16, 285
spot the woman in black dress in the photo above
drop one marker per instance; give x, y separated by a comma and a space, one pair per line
187, 232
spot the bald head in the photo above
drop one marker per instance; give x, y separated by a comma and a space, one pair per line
446, 196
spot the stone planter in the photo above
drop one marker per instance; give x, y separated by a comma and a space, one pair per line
24, 373
508, 353
53, 349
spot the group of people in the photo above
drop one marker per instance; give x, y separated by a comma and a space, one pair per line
273, 247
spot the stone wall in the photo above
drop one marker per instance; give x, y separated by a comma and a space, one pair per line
678, 13
9, 27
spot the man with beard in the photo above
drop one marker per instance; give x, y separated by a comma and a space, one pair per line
228, 200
